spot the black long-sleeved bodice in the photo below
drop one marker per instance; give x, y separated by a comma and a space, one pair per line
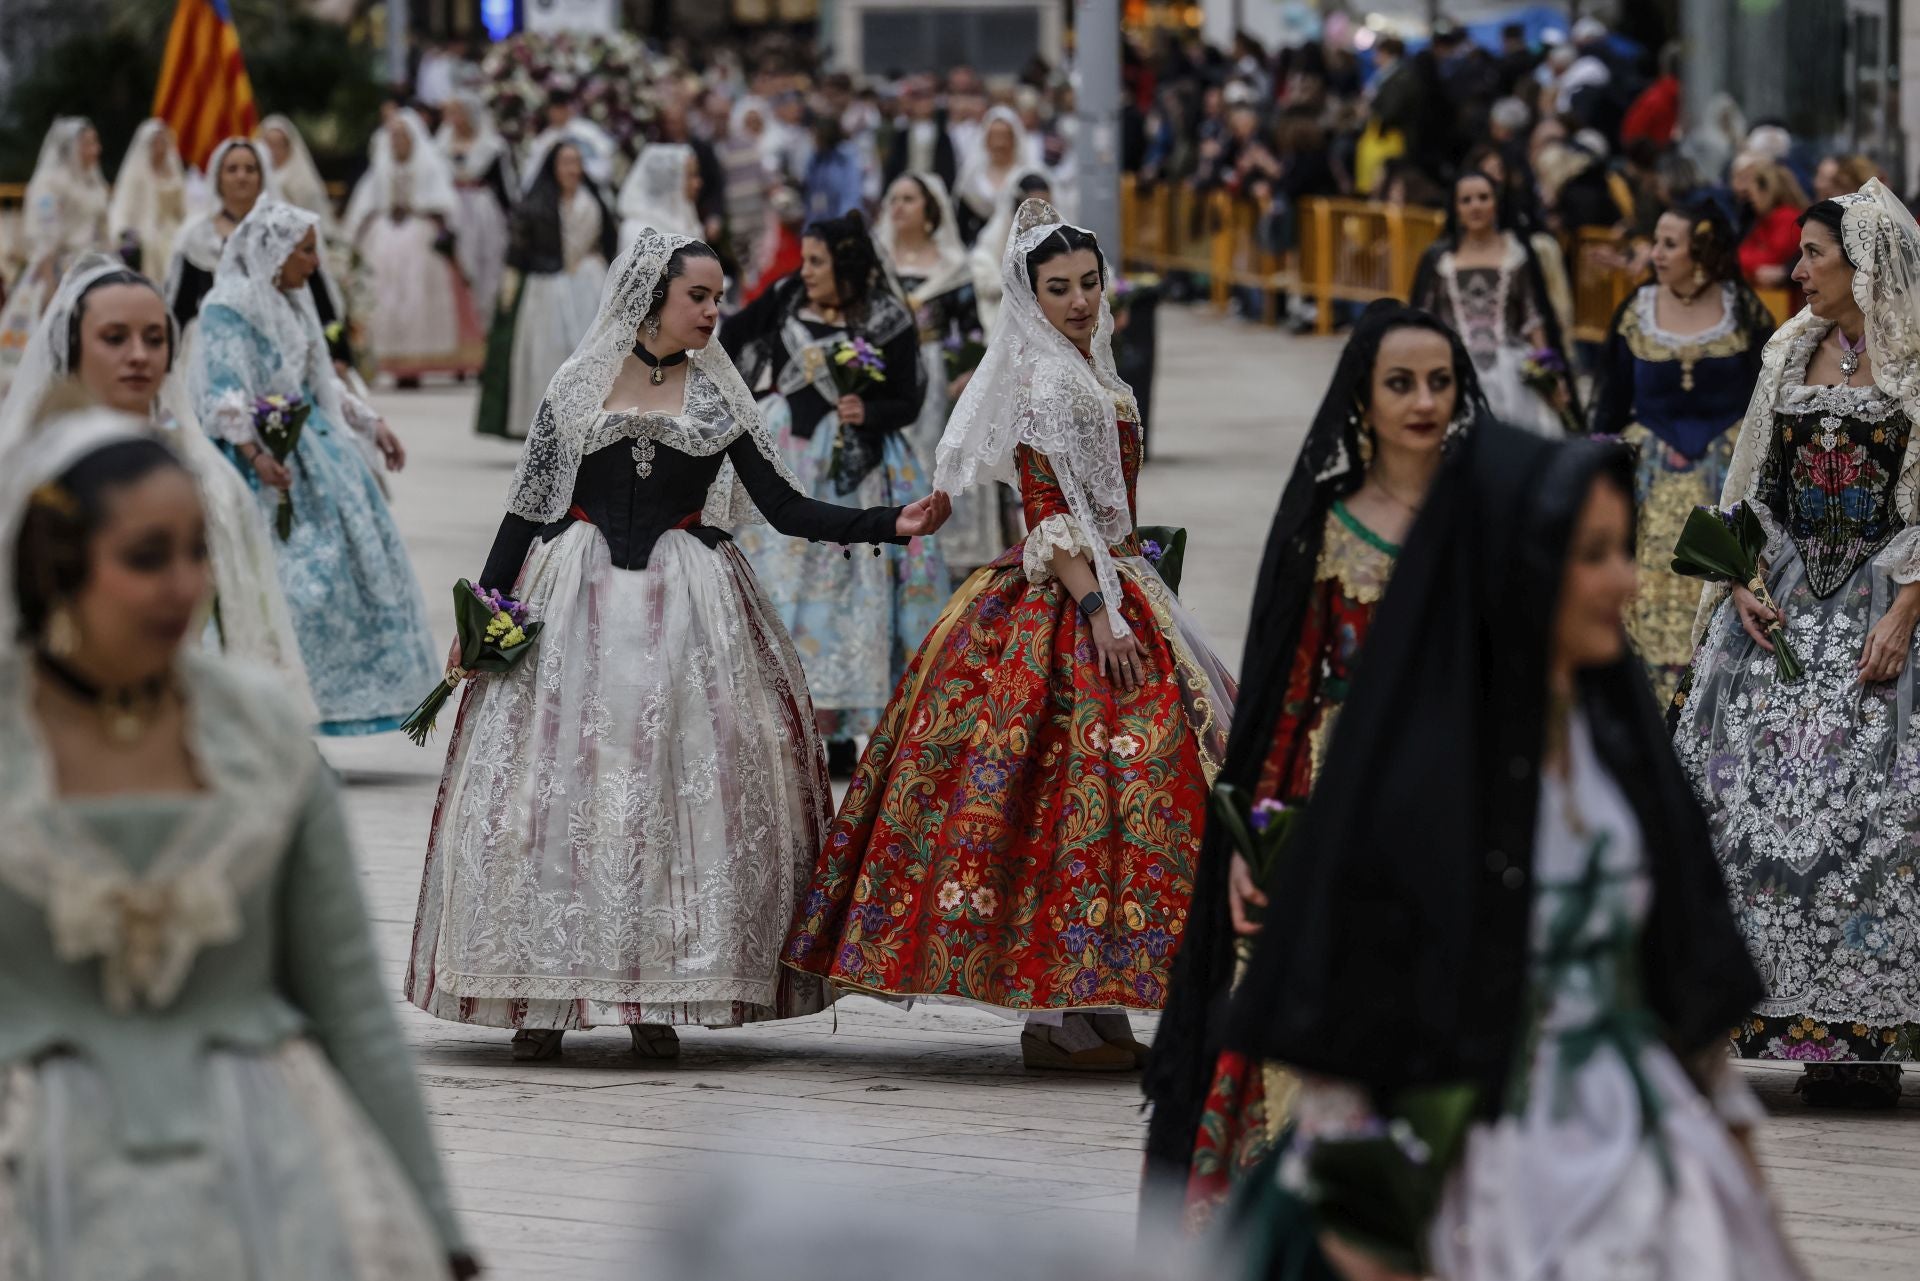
635, 490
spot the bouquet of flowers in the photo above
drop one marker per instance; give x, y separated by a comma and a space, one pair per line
1545, 374
494, 635
1725, 547
1258, 829
856, 366
963, 352
1165, 547
278, 421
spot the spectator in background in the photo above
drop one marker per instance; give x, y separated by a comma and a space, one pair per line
835, 180
1517, 60
1772, 242
1655, 114
920, 143
1841, 175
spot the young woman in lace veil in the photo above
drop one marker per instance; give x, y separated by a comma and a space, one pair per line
484, 180
1403, 395
421, 318
659, 192
356, 605
199, 1070
65, 213
664, 717
290, 170
108, 339
560, 240
1809, 784
1021, 831
149, 198
854, 618
920, 241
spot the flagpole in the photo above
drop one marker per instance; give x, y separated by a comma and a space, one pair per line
398, 23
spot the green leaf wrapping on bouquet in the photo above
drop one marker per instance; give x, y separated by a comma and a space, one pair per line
1258, 830
1725, 547
1172, 541
480, 651
1379, 1193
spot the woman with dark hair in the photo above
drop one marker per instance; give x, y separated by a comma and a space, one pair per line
559, 243
990, 246
200, 1073
1502, 959
1809, 783
1484, 281
1403, 393
1022, 829
1674, 378
628, 816
855, 619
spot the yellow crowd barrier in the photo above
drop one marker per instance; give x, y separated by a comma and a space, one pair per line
1349, 251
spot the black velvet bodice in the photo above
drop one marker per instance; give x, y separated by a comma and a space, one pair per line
636, 489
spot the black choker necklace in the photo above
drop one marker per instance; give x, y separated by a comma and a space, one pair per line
659, 364
124, 713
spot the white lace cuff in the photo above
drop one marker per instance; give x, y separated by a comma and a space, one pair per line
1776, 536
1052, 536
1901, 557
359, 414
231, 418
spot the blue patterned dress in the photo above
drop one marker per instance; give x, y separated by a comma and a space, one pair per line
356, 605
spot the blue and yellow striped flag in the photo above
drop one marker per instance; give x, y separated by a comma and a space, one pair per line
204, 93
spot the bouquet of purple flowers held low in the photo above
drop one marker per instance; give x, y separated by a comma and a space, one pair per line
856, 366
278, 421
1545, 374
494, 634
1725, 547
963, 352
1257, 829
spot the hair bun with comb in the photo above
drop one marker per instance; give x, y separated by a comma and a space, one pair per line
1034, 213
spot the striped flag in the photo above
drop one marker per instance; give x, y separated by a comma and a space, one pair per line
204, 93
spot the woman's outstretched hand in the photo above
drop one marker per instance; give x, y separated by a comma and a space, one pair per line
925, 516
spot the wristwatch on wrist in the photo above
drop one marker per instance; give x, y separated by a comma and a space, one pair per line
1092, 603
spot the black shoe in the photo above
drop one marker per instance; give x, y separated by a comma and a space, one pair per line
841, 758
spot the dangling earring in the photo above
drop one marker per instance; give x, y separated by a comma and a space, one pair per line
653, 327
63, 634
1366, 444
1699, 278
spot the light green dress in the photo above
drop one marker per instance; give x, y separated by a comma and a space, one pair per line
200, 1071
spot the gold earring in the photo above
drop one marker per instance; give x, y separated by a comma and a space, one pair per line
1366, 444
63, 634
1699, 276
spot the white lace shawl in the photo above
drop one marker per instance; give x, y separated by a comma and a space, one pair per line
46, 364
470, 158
1035, 388
573, 421
298, 182
65, 209
1883, 243
149, 201
420, 184
655, 192
246, 283
952, 270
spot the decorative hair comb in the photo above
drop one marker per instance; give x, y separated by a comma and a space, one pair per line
54, 497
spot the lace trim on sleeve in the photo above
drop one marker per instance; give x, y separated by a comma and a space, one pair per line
230, 418
1051, 536
1776, 536
360, 416
1901, 557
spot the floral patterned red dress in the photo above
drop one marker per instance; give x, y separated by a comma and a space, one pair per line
1250, 1100
1019, 833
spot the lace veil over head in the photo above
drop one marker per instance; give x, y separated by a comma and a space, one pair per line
48, 360
421, 184
655, 192
1034, 388
573, 421
952, 268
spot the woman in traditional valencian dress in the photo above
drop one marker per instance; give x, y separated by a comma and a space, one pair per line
1483, 281
1674, 380
1404, 391
108, 339
1498, 952
200, 1074
356, 604
659, 192
1810, 785
1021, 831
854, 619
422, 319
987, 179
628, 815
484, 181
921, 243
240, 181
291, 172
562, 237
65, 214
149, 199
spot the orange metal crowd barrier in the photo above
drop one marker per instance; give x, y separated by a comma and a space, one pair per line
1349, 251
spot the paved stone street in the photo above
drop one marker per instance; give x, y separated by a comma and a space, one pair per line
564, 1169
